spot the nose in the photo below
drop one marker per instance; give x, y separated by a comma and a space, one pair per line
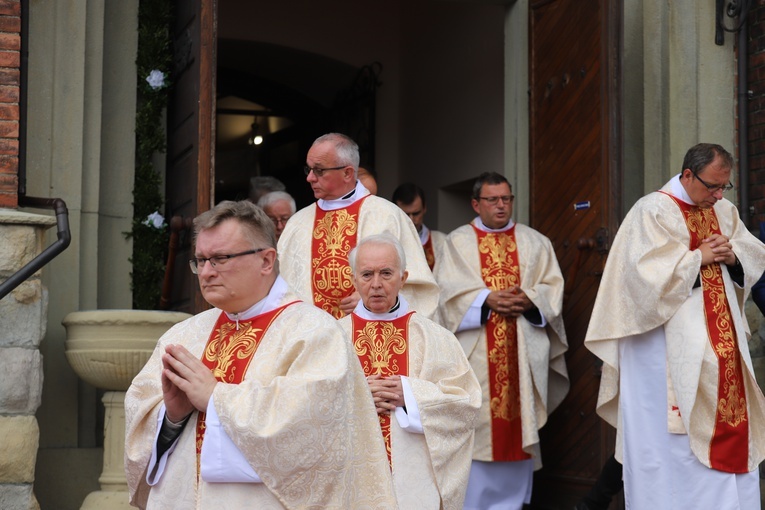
311, 177
718, 194
376, 281
204, 268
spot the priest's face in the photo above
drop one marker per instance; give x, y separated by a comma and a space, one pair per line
416, 211
378, 277
704, 189
494, 205
279, 212
332, 184
235, 283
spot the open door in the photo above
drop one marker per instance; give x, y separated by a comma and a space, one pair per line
575, 201
191, 137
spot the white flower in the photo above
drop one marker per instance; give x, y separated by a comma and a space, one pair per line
155, 220
156, 79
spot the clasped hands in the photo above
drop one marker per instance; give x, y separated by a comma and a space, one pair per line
717, 248
511, 302
187, 384
387, 392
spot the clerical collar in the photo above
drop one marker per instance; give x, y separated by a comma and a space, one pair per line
480, 226
677, 190
352, 196
272, 300
424, 234
400, 309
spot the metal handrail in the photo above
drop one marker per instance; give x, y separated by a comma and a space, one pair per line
51, 252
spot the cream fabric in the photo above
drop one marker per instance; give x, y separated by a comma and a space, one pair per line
302, 417
542, 367
648, 283
376, 216
431, 469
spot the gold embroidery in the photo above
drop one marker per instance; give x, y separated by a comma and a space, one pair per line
222, 350
334, 235
376, 344
703, 222
498, 271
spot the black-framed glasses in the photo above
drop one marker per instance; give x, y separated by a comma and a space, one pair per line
219, 261
506, 199
318, 172
713, 188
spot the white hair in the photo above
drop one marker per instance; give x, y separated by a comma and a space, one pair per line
274, 196
386, 239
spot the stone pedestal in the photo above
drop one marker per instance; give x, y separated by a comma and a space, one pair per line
107, 348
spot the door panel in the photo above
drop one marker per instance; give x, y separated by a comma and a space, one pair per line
190, 119
573, 116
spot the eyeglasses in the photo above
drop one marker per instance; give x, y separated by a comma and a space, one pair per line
280, 220
712, 188
506, 199
318, 172
219, 261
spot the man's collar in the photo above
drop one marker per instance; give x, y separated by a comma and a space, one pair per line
268, 303
480, 226
400, 309
677, 190
352, 196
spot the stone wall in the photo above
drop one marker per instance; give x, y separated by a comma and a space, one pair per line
22, 327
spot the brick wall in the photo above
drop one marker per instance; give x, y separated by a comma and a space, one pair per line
756, 71
10, 63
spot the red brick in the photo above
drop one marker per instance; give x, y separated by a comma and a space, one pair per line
9, 146
9, 76
9, 112
9, 165
10, 24
10, 41
9, 182
9, 129
10, 59
9, 94
10, 7
9, 201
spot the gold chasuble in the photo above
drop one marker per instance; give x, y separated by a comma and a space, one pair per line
382, 348
729, 447
430, 255
498, 253
334, 236
230, 350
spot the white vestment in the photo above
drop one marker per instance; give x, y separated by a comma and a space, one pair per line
660, 373
301, 418
542, 369
430, 462
376, 216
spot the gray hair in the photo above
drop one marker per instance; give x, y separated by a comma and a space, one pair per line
275, 196
346, 149
386, 239
257, 227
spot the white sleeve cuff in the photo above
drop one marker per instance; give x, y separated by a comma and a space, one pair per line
221, 460
472, 318
157, 466
409, 420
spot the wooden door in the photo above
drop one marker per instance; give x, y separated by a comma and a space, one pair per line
190, 122
575, 201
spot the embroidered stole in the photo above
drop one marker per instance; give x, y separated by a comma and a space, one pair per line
229, 352
334, 236
430, 255
729, 447
498, 253
382, 348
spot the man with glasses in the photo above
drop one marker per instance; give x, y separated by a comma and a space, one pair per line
279, 207
259, 402
669, 325
502, 294
314, 247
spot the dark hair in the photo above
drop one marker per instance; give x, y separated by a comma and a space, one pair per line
488, 178
257, 226
407, 192
701, 155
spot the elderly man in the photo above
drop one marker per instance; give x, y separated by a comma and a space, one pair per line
257, 403
410, 198
313, 250
426, 394
669, 325
502, 293
279, 207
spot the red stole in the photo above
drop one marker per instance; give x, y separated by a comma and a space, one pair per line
334, 236
430, 255
729, 448
382, 348
229, 352
498, 253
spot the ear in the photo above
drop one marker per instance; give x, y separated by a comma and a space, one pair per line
349, 173
404, 277
474, 203
686, 175
269, 261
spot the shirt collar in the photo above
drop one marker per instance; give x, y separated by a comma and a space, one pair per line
424, 234
480, 226
272, 300
349, 198
677, 190
400, 309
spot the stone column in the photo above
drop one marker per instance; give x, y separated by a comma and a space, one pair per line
23, 316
